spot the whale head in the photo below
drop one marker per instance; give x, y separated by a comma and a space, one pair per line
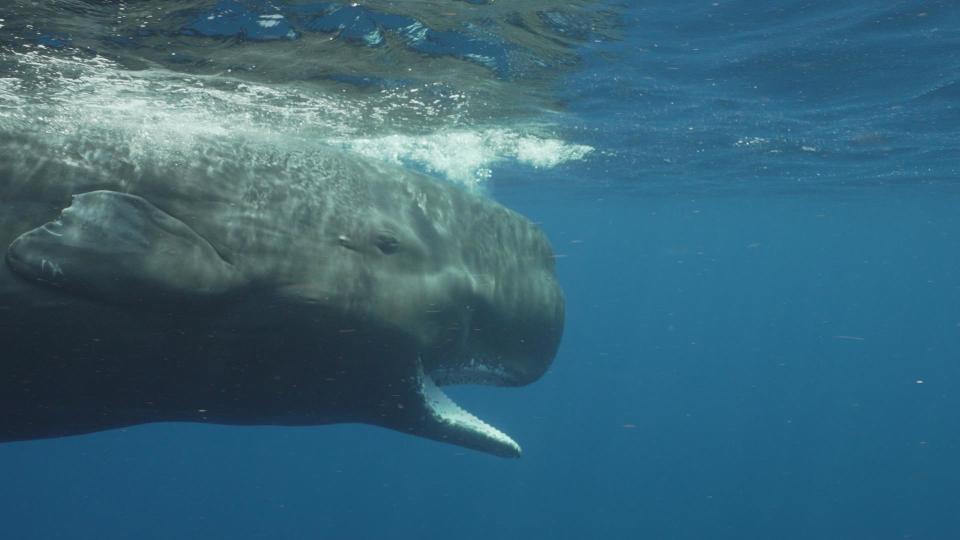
467, 284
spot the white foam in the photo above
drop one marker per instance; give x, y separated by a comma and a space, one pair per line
269, 21
167, 115
159, 111
465, 156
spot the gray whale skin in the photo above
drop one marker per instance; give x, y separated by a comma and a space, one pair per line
284, 301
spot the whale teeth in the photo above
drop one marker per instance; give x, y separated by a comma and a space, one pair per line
458, 426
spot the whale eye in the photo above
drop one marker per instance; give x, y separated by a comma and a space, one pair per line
387, 243
345, 241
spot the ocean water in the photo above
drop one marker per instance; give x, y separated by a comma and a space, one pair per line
754, 209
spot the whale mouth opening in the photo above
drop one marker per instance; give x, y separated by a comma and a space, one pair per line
473, 372
448, 422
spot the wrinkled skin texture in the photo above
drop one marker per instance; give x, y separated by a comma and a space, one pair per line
246, 298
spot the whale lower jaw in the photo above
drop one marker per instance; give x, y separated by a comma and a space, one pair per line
446, 421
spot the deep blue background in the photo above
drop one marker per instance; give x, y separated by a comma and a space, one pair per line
763, 278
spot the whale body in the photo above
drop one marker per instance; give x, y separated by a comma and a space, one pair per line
349, 291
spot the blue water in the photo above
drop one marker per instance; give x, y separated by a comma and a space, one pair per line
762, 272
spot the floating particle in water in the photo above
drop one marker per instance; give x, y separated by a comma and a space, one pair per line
850, 338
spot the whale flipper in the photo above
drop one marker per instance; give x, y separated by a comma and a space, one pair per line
121, 248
